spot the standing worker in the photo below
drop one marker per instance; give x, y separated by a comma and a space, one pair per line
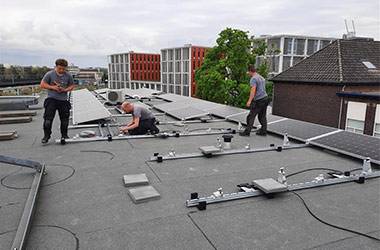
57, 82
142, 120
257, 103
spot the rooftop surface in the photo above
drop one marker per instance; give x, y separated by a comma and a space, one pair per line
84, 204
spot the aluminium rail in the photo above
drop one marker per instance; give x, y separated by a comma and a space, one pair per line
31, 202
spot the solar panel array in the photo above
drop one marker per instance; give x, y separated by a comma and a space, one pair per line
356, 145
141, 93
87, 108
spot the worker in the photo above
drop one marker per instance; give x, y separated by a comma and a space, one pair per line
58, 83
143, 121
257, 103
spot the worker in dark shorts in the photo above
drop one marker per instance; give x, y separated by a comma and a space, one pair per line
258, 102
58, 83
143, 121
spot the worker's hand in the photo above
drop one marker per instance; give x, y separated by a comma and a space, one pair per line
123, 130
56, 88
248, 104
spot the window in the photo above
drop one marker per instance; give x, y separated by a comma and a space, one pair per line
158, 87
186, 54
165, 67
311, 46
369, 65
178, 66
170, 66
170, 55
324, 43
121, 58
355, 126
178, 90
288, 46
178, 79
185, 90
186, 66
185, 78
171, 89
377, 130
171, 81
286, 62
274, 44
164, 78
165, 88
178, 54
299, 47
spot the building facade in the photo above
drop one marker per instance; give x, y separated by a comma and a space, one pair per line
315, 90
284, 51
88, 76
178, 66
134, 70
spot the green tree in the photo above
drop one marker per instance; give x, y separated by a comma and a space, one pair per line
223, 75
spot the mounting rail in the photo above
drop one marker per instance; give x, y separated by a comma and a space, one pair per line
251, 192
31, 202
160, 158
159, 135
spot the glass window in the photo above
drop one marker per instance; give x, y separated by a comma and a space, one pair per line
186, 66
355, 126
171, 89
165, 88
164, 55
170, 55
286, 63
185, 90
185, 53
299, 46
274, 44
121, 58
171, 81
178, 54
377, 130
158, 87
164, 78
178, 90
324, 43
288, 46
311, 45
185, 78
170, 66
178, 66
178, 79
165, 67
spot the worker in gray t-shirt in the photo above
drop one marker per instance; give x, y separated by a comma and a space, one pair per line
58, 83
258, 102
143, 121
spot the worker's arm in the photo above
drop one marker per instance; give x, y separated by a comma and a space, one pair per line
251, 96
69, 88
134, 124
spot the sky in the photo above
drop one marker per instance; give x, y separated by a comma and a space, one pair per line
36, 32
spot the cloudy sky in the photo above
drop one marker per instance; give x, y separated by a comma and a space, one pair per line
35, 32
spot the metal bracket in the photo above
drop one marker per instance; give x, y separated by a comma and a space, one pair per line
30, 205
245, 150
252, 192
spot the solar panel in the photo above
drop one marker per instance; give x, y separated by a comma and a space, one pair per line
299, 130
87, 108
187, 113
166, 107
225, 111
348, 143
173, 97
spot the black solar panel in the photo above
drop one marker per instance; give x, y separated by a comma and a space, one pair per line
224, 111
299, 130
187, 113
356, 145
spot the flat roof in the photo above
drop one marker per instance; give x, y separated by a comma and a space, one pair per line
83, 202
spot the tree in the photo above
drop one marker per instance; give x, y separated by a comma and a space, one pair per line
223, 75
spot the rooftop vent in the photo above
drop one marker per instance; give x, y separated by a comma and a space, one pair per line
369, 65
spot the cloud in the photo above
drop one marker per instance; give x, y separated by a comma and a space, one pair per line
92, 29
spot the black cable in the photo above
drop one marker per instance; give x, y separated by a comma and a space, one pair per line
332, 225
312, 169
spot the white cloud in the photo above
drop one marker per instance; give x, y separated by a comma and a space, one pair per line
93, 29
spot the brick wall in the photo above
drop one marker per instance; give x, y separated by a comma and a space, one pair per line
307, 102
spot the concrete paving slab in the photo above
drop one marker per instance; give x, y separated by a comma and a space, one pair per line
143, 194
135, 180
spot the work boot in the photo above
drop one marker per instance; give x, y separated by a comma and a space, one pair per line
261, 133
65, 136
245, 133
45, 139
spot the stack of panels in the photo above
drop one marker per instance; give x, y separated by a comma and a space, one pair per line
140, 93
87, 108
187, 113
299, 130
348, 143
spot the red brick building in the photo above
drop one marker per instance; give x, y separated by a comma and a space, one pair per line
178, 68
134, 70
314, 89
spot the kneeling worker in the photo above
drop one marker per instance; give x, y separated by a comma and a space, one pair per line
142, 120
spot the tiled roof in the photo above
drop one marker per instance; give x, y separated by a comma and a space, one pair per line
341, 62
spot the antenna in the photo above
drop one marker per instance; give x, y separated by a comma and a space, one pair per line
345, 22
353, 27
